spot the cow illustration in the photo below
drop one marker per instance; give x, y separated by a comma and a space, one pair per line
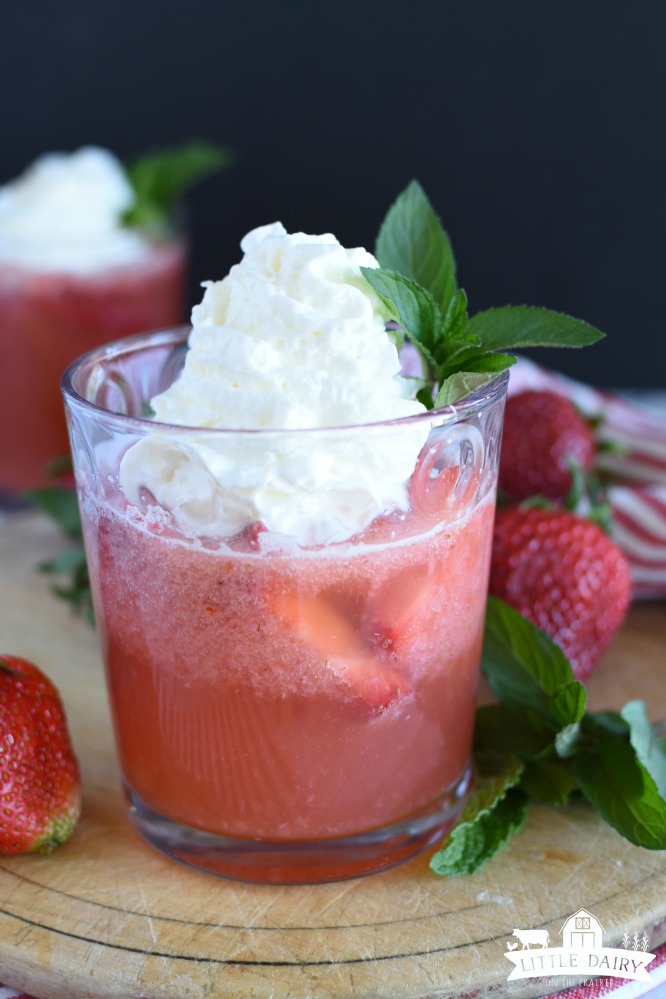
527, 937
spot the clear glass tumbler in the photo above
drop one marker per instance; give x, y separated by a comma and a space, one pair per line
49, 316
286, 712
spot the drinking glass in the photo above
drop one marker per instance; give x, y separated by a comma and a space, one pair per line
48, 317
285, 712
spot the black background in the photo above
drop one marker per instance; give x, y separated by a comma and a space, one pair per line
536, 127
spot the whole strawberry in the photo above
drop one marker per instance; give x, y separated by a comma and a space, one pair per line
564, 574
543, 433
41, 796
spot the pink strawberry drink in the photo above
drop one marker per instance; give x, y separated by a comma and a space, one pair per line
71, 278
291, 618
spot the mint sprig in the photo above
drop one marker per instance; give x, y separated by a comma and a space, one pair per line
614, 759
417, 283
492, 814
69, 566
160, 177
412, 242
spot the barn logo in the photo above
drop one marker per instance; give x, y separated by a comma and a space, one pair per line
581, 955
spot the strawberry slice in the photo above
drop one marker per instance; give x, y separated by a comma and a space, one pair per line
328, 624
404, 607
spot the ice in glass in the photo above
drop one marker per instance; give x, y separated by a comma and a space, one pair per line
72, 277
289, 559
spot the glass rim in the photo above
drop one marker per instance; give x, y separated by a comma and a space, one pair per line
471, 404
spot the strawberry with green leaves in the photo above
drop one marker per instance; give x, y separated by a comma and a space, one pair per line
39, 775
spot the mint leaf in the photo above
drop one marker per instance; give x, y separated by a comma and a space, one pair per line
567, 740
415, 308
159, 178
471, 360
514, 327
493, 812
513, 731
459, 385
470, 373
612, 777
632, 723
461, 353
424, 396
59, 503
649, 747
455, 322
548, 782
527, 669
68, 560
471, 844
412, 241
79, 595
616, 759
567, 704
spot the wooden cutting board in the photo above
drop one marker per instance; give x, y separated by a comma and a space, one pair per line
106, 916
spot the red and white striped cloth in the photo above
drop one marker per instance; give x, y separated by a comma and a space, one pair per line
617, 988
637, 493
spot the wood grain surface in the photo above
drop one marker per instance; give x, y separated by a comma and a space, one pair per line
107, 916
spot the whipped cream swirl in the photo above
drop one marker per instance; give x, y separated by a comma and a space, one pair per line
293, 339
64, 214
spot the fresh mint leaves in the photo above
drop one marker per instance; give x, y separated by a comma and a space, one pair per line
159, 178
611, 776
493, 813
69, 566
416, 281
650, 748
412, 242
527, 670
59, 503
554, 748
517, 326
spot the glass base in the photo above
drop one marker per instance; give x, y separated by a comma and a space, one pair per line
295, 861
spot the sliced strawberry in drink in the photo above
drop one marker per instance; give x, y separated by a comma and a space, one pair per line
250, 535
404, 607
328, 624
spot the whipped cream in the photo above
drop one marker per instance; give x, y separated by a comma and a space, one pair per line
293, 339
64, 214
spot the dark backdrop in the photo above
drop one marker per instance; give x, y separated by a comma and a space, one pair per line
536, 126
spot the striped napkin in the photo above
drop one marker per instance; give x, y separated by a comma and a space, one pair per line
616, 988
637, 493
